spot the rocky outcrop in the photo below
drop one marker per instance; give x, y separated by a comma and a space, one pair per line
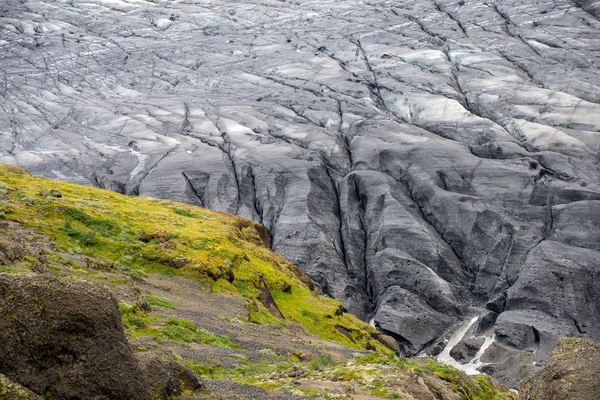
64, 339
166, 379
412, 158
13, 391
266, 299
508, 364
466, 349
571, 373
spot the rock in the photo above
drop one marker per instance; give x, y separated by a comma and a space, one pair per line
508, 365
305, 355
179, 262
98, 264
286, 288
436, 348
465, 350
65, 339
10, 251
13, 391
267, 300
571, 373
160, 236
55, 193
551, 298
448, 160
389, 342
144, 237
403, 316
435, 390
486, 321
347, 333
590, 6
165, 379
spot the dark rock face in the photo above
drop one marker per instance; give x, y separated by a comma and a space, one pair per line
571, 373
508, 364
65, 339
466, 349
411, 157
267, 300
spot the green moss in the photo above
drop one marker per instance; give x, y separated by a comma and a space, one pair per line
84, 237
142, 323
372, 358
445, 372
185, 213
76, 214
203, 370
186, 331
372, 372
104, 226
199, 242
155, 301
6, 269
347, 374
177, 333
476, 388
312, 392
137, 322
48, 395
313, 316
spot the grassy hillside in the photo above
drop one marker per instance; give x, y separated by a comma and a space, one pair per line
133, 237
201, 288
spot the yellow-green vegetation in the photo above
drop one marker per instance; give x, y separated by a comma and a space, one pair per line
14, 391
142, 323
93, 231
155, 301
178, 269
388, 377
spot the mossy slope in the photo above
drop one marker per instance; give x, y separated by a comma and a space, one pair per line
133, 237
200, 289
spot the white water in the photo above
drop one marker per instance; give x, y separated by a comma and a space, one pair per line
471, 368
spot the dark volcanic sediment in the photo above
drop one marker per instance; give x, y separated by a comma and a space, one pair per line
412, 157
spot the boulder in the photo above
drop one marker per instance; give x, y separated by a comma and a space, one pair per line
65, 339
465, 350
507, 364
449, 160
165, 378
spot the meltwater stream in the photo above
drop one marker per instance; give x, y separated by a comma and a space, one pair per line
470, 368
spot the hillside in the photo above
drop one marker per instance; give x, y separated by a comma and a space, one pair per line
571, 373
413, 158
200, 290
